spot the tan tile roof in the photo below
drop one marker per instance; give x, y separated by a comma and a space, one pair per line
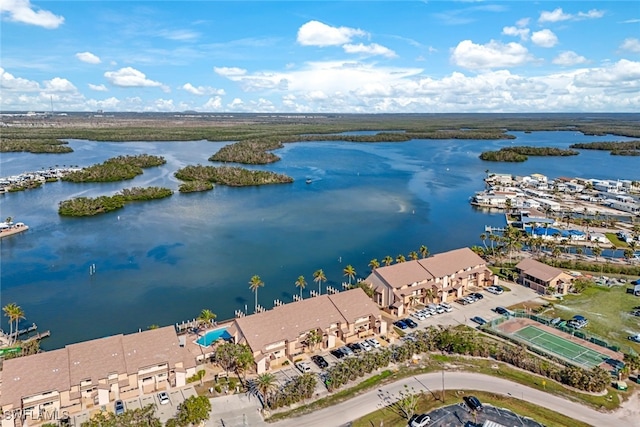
447, 263
538, 269
403, 273
152, 347
94, 359
30, 375
289, 321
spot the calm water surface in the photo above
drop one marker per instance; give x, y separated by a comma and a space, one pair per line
163, 261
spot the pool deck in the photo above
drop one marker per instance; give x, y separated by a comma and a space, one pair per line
198, 351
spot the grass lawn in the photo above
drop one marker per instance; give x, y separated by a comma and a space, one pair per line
607, 310
428, 402
617, 242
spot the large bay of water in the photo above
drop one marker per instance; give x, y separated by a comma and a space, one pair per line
163, 261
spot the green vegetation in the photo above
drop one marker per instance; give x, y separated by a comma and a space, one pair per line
430, 401
608, 311
115, 169
519, 154
86, 206
192, 412
231, 176
25, 185
194, 186
48, 145
624, 148
130, 418
613, 238
249, 152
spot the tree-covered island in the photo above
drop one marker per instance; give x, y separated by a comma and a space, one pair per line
521, 153
86, 206
117, 168
231, 176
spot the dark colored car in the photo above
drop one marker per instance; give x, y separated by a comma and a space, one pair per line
338, 353
479, 320
473, 403
118, 407
320, 361
501, 310
410, 323
477, 295
355, 347
401, 324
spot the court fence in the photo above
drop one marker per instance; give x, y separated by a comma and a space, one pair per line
559, 325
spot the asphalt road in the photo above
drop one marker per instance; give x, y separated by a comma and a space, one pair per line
366, 403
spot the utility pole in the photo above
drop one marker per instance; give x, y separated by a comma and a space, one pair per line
443, 384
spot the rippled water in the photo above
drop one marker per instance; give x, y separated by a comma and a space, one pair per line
163, 261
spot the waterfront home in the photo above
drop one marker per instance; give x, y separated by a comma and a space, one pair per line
543, 278
282, 333
439, 278
91, 374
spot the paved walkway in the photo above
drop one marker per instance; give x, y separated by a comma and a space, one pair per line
237, 410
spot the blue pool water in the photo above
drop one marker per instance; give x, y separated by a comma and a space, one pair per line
212, 336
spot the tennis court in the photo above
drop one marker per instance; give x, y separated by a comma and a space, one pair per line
554, 344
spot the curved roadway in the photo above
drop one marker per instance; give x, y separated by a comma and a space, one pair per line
342, 413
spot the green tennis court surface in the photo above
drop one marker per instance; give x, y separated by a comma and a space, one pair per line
559, 346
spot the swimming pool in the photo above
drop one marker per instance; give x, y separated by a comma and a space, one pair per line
212, 336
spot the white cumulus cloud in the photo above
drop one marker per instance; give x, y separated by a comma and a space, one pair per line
631, 44
11, 83
369, 50
88, 57
315, 33
98, 88
22, 11
569, 58
202, 90
558, 15
523, 33
544, 38
230, 71
491, 55
130, 77
213, 104
58, 84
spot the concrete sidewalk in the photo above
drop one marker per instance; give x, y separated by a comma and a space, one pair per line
236, 410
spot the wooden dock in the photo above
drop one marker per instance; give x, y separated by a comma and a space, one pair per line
37, 337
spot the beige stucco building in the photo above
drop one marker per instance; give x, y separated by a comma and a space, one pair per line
439, 278
89, 374
542, 277
281, 333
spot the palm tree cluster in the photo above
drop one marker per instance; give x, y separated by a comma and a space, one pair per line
295, 390
388, 260
15, 313
233, 357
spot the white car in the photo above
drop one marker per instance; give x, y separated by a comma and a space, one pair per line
446, 307
163, 398
365, 346
421, 420
440, 310
303, 367
373, 342
419, 315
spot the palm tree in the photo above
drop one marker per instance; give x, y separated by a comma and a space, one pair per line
483, 237
319, 277
254, 284
374, 263
413, 255
387, 260
14, 312
207, 317
9, 220
301, 283
596, 251
350, 272
266, 383
400, 258
424, 251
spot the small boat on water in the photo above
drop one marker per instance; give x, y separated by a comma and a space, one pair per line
308, 180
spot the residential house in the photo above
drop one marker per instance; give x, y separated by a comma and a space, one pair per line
91, 374
282, 333
543, 278
440, 278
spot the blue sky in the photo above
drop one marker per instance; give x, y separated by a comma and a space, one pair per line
316, 57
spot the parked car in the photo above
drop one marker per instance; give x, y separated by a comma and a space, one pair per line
479, 320
410, 323
303, 367
473, 403
462, 301
365, 346
477, 295
496, 290
163, 398
419, 315
440, 310
355, 347
337, 353
118, 407
447, 307
469, 299
502, 310
347, 351
578, 322
320, 361
373, 342
420, 420
400, 324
